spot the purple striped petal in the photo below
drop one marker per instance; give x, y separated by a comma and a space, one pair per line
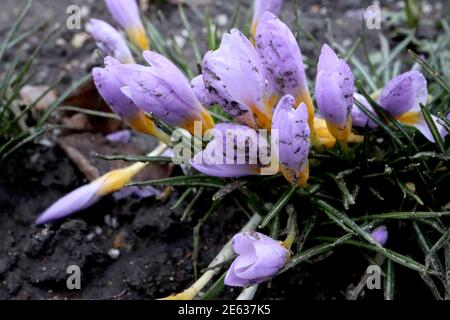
294, 139
109, 40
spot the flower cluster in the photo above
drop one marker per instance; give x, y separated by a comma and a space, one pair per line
261, 83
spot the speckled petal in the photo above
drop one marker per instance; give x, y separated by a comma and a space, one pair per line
359, 118
294, 138
109, 40
281, 56
261, 6
405, 93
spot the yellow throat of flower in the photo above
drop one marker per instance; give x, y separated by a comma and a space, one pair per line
138, 37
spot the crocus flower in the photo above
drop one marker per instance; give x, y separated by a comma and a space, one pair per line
259, 258
283, 61
205, 95
334, 93
402, 98
109, 81
235, 72
261, 6
232, 152
126, 13
89, 194
122, 136
294, 140
109, 40
162, 89
380, 234
359, 118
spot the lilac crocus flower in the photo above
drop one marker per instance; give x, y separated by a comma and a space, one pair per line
283, 61
380, 234
232, 152
122, 136
335, 87
87, 195
235, 72
126, 13
162, 89
402, 98
261, 6
359, 118
109, 81
259, 258
109, 40
294, 140
204, 94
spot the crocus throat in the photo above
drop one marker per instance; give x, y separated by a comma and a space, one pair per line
263, 120
409, 118
297, 179
341, 134
139, 37
205, 118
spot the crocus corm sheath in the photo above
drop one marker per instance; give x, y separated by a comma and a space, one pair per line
236, 73
126, 13
335, 87
163, 90
259, 258
402, 98
294, 140
109, 40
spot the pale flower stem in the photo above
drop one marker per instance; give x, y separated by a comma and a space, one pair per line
224, 255
248, 293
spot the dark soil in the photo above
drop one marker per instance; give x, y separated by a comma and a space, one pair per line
155, 247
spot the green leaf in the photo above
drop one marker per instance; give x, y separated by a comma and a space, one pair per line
403, 215
431, 71
434, 131
281, 203
190, 181
134, 158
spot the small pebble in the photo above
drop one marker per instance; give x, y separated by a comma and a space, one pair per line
113, 253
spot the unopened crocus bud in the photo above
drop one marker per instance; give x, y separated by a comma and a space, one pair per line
259, 258
261, 6
87, 195
359, 118
402, 98
109, 40
126, 13
380, 234
294, 140
283, 61
233, 151
163, 90
335, 87
236, 73
109, 81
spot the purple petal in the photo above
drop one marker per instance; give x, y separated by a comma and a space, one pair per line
233, 152
232, 280
109, 40
423, 127
334, 88
359, 118
380, 234
73, 202
230, 69
125, 12
122, 136
109, 81
140, 192
405, 93
261, 6
281, 56
294, 137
